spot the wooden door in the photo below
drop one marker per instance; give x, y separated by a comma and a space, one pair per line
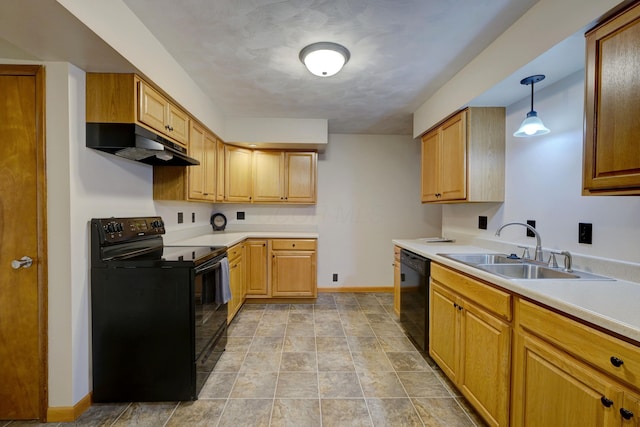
23, 291
453, 159
178, 124
268, 176
300, 177
152, 108
257, 276
443, 330
293, 274
430, 167
485, 368
237, 174
557, 390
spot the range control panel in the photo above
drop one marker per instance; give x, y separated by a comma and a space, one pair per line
114, 230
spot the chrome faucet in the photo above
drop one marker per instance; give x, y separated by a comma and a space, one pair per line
538, 256
568, 260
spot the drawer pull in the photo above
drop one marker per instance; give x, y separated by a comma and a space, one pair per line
626, 414
616, 362
606, 402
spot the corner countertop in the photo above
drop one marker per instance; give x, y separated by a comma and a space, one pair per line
231, 238
612, 305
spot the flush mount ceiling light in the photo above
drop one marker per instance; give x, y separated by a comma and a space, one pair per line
532, 125
324, 59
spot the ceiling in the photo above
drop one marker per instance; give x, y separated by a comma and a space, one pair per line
244, 53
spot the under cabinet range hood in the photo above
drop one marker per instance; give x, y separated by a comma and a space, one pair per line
134, 142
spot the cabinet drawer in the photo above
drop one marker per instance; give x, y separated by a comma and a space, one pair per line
585, 343
293, 244
234, 251
494, 300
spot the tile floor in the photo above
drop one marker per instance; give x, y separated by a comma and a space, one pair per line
343, 361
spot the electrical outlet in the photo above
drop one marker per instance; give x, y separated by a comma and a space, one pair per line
193, 217
180, 217
240, 215
482, 222
585, 232
532, 223
335, 277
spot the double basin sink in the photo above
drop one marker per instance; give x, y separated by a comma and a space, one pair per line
516, 268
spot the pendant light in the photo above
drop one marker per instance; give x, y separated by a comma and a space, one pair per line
324, 59
532, 125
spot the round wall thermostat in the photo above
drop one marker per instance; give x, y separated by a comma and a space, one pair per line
218, 222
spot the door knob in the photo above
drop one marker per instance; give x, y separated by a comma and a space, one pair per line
24, 262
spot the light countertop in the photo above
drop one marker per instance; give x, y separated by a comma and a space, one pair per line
231, 238
612, 305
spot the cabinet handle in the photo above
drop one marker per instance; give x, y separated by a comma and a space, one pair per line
626, 414
460, 307
293, 245
455, 305
606, 402
616, 361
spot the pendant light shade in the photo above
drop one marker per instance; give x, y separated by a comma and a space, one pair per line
532, 125
324, 59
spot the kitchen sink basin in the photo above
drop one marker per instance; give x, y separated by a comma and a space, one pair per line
517, 268
526, 271
476, 259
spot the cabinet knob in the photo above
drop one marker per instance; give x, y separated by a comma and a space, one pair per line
626, 414
606, 402
616, 361
293, 245
455, 305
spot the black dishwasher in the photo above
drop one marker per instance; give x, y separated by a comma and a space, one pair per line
414, 297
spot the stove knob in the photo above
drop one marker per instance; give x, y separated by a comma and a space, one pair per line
110, 227
119, 228
157, 224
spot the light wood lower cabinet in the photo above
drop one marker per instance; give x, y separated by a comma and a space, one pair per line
564, 374
293, 268
257, 268
470, 339
236, 279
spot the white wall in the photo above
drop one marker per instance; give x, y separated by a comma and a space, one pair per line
544, 183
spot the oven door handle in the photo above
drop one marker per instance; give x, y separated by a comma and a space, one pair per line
209, 265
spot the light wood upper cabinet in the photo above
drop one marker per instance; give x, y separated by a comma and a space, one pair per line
293, 268
470, 339
201, 178
463, 158
284, 177
237, 174
612, 102
125, 98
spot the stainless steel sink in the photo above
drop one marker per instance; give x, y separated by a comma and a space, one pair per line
526, 271
476, 259
516, 268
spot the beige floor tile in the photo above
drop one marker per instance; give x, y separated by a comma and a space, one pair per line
297, 385
339, 384
441, 412
301, 308
261, 362
345, 412
335, 361
358, 330
371, 361
238, 344
271, 317
299, 330
398, 343
200, 413
255, 385
387, 329
99, 414
393, 412
145, 414
229, 362
381, 384
332, 344
271, 330
329, 329
218, 385
364, 344
293, 343
300, 317
408, 361
246, 413
296, 413
423, 384
266, 344
299, 361
247, 329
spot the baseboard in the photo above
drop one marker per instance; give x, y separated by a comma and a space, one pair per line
358, 289
68, 413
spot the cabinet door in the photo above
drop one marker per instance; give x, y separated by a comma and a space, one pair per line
237, 284
220, 171
237, 174
485, 366
300, 183
152, 107
431, 166
611, 149
257, 275
210, 169
268, 176
556, 390
196, 173
293, 274
630, 410
178, 124
444, 329
453, 159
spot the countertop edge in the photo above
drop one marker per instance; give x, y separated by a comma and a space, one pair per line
537, 291
231, 238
